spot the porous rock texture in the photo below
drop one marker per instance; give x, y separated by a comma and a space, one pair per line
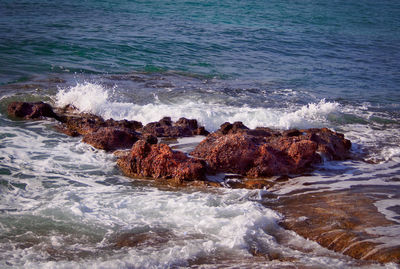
161, 162
263, 152
181, 128
35, 110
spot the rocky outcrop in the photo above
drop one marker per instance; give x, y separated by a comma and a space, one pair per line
162, 163
263, 152
26, 110
234, 148
181, 128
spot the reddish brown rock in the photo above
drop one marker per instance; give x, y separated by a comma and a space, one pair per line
250, 184
111, 138
341, 221
31, 110
181, 128
264, 152
331, 144
160, 162
83, 124
228, 128
145, 239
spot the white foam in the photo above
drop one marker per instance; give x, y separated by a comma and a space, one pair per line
67, 207
390, 152
203, 224
87, 97
94, 98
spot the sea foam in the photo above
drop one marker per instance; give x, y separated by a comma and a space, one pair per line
95, 98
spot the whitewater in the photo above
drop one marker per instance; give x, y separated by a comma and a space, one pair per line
66, 205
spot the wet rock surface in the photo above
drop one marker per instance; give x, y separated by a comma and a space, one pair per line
26, 110
111, 138
162, 163
344, 221
264, 152
181, 128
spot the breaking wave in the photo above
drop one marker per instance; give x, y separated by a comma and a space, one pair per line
94, 98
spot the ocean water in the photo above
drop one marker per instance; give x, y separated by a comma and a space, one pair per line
280, 64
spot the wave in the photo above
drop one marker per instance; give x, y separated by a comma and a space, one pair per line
95, 98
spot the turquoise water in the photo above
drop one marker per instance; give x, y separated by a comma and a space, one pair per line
279, 64
346, 49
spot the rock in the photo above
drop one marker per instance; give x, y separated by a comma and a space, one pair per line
128, 124
233, 153
250, 184
111, 138
31, 110
161, 162
331, 144
342, 220
149, 138
263, 152
181, 128
228, 128
84, 123
81, 124
143, 239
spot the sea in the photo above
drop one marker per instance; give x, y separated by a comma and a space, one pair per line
273, 63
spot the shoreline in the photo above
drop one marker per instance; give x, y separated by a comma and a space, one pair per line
347, 232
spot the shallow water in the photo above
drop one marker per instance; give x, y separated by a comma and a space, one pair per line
65, 204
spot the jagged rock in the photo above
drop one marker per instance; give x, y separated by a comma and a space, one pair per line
181, 128
83, 124
31, 110
161, 162
263, 152
128, 124
331, 144
228, 128
111, 138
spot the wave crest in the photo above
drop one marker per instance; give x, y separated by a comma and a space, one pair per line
94, 98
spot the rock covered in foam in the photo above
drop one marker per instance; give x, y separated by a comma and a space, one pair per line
161, 162
181, 128
263, 152
27, 110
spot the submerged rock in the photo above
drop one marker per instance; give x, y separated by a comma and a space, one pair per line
343, 221
27, 110
181, 128
161, 162
263, 152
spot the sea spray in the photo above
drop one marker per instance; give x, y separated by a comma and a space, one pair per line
95, 98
